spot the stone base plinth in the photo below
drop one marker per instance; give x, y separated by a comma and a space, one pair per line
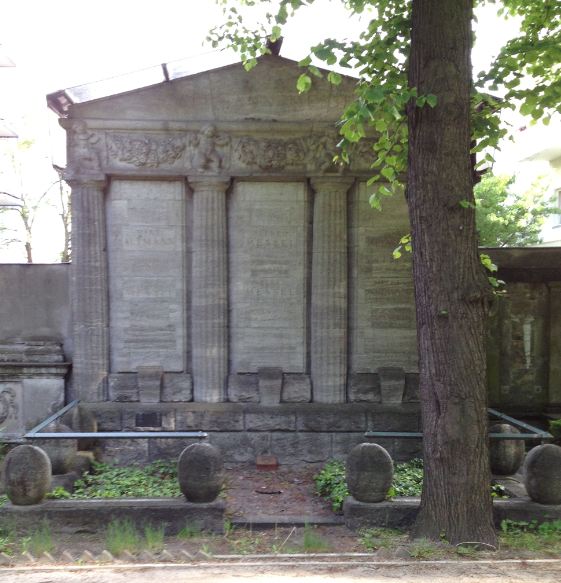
401, 512
72, 516
296, 433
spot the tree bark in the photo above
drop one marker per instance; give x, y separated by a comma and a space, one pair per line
451, 290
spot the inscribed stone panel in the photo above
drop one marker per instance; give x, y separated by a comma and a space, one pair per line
145, 240
382, 309
268, 257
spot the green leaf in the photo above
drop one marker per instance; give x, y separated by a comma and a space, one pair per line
334, 78
388, 172
432, 100
304, 83
381, 125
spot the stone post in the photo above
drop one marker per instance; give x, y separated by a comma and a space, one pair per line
209, 310
554, 396
89, 289
329, 290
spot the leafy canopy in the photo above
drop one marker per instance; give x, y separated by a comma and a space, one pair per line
507, 218
526, 73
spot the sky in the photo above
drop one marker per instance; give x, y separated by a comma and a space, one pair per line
56, 45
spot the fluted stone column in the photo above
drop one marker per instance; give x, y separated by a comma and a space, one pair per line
209, 310
89, 291
329, 290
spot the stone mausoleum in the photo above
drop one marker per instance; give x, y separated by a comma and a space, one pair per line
228, 276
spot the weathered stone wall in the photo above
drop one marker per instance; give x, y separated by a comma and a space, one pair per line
295, 433
34, 303
35, 344
524, 341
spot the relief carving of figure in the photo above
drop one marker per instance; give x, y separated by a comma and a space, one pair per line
85, 156
8, 406
207, 143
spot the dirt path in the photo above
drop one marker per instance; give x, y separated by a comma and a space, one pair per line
457, 572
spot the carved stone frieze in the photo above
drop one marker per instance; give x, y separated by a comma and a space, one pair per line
145, 150
211, 150
314, 152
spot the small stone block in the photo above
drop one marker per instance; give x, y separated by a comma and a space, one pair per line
123, 387
150, 383
270, 385
166, 557
146, 557
296, 388
28, 557
364, 388
106, 557
243, 388
392, 384
266, 462
86, 557
127, 556
177, 388
6, 559
184, 555
46, 556
67, 557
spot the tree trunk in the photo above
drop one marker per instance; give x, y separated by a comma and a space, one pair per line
451, 290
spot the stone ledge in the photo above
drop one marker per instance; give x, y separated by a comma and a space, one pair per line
73, 516
402, 512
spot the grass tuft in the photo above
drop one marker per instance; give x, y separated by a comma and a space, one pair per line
121, 535
39, 541
314, 542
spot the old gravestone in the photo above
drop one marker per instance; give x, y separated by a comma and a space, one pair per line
27, 475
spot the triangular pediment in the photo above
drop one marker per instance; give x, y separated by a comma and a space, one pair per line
230, 93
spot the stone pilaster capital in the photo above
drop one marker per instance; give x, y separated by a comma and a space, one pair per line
201, 184
78, 180
340, 184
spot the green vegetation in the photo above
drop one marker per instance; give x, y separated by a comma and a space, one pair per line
555, 430
531, 536
313, 541
39, 541
507, 218
407, 481
156, 480
424, 549
154, 538
331, 484
190, 531
122, 535
379, 538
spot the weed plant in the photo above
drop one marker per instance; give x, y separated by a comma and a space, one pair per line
531, 536
373, 539
155, 480
39, 541
121, 535
154, 538
423, 549
313, 541
189, 531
